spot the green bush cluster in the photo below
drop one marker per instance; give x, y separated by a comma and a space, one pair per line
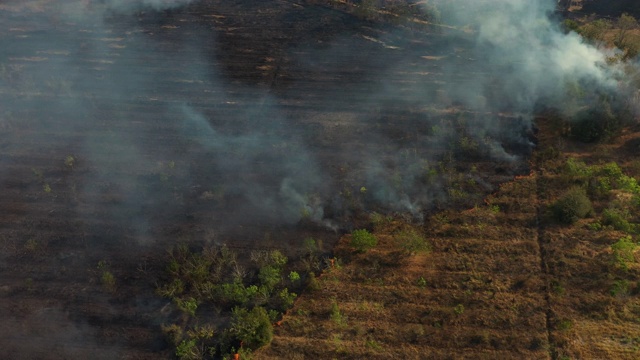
252, 327
597, 123
618, 219
573, 205
362, 240
253, 294
623, 251
600, 181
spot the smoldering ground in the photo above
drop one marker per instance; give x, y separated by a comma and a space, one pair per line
49, 333
159, 127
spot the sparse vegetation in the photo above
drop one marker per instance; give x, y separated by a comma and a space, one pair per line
620, 288
107, 279
623, 252
412, 241
336, 315
69, 161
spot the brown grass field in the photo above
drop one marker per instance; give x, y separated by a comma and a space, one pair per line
504, 284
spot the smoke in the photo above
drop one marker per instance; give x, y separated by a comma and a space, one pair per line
439, 102
267, 168
525, 56
156, 4
137, 5
161, 120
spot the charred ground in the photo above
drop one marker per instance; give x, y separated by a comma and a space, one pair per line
255, 124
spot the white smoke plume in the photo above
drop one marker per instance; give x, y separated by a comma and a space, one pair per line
525, 54
129, 5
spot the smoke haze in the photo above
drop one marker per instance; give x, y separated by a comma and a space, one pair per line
164, 116
525, 51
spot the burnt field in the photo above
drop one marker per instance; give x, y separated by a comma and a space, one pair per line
254, 124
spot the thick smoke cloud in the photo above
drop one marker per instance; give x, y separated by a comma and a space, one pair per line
129, 5
526, 57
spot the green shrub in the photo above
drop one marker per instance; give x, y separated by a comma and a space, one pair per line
600, 187
294, 277
188, 306
629, 183
618, 219
379, 221
173, 333
572, 206
310, 245
620, 288
413, 241
598, 123
458, 309
564, 325
277, 259
253, 327
612, 170
362, 240
287, 298
373, 345
336, 315
623, 251
272, 258
187, 350
108, 281
312, 283
577, 168
270, 276
570, 25
172, 289
236, 293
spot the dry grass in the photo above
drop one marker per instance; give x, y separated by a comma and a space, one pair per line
501, 282
477, 294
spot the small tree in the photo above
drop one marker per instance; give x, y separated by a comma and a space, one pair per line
625, 24
595, 31
188, 350
294, 277
362, 240
270, 277
571, 206
253, 327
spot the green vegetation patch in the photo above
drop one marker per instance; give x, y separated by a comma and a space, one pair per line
252, 294
362, 240
573, 205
